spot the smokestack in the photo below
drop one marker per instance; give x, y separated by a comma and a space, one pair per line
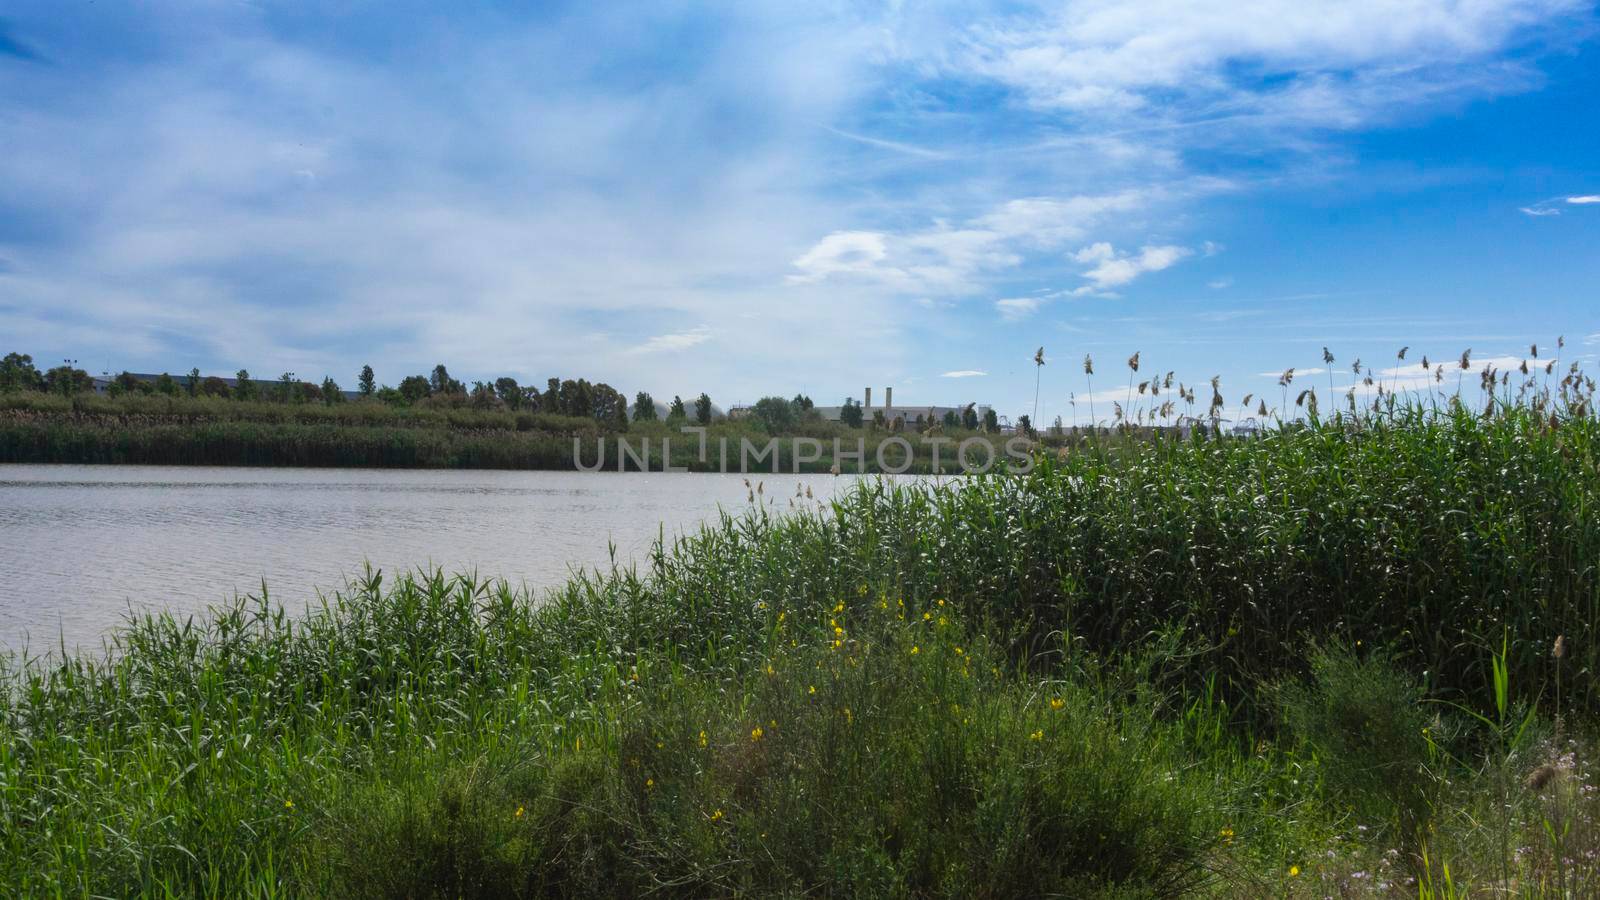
868, 404
888, 399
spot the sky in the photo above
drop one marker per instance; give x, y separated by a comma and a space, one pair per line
762, 198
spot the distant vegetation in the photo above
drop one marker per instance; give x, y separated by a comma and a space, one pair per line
431, 421
1349, 660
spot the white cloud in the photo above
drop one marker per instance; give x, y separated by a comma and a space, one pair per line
842, 252
1018, 308
681, 340
1585, 199
1311, 62
1111, 270
1298, 373
1539, 211
955, 259
1217, 284
964, 373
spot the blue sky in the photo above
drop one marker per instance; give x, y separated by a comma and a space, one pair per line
762, 198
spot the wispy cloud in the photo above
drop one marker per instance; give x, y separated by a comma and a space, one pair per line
1111, 269
1299, 64
1298, 372
681, 340
1015, 309
955, 259
963, 373
1552, 206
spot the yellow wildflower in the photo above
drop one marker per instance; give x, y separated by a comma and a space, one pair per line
915, 650
649, 784
1037, 735
812, 690
702, 738
926, 616
716, 816
517, 814
288, 804
1294, 871
756, 733
1056, 703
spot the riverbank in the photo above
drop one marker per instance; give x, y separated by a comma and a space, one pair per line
1321, 662
162, 430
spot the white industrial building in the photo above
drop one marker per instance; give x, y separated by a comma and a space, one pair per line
907, 414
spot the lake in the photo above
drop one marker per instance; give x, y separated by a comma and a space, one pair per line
81, 545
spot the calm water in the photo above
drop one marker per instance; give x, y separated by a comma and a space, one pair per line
80, 545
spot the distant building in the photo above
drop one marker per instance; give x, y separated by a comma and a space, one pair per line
906, 414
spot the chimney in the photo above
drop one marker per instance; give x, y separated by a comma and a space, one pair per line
888, 400
868, 404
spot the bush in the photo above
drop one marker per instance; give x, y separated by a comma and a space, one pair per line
1370, 736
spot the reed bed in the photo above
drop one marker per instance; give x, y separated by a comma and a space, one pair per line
161, 430
1343, 658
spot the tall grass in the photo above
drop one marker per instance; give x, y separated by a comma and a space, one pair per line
1269, 667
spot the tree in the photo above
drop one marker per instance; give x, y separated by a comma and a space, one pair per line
619, 413
951, 420
330, 391
850, 413
483, 396
644, 407
969, 417
166, 385
389, 396
532, 400
414, 388
676, 412
17, 373
509, 392
367, 383
441, 383
702, 409
1025, 425
775, 413
243, 387
608, 406
214, 387
285, 387
991, 422
878, 420
193, 383
66, 380
576, 398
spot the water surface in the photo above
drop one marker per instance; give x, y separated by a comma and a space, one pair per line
81, 545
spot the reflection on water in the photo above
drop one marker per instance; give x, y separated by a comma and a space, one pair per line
81, 545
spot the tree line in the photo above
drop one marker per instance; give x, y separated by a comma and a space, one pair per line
436, 389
